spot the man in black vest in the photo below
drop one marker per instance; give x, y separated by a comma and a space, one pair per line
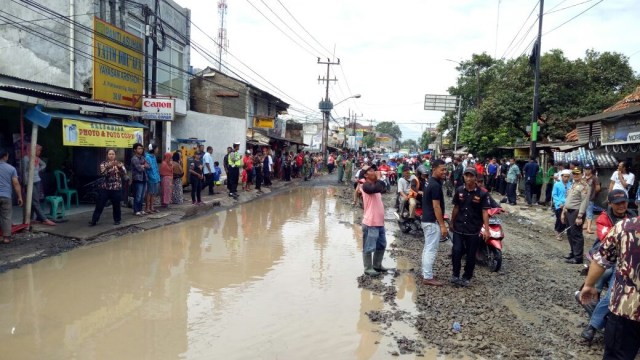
470, 205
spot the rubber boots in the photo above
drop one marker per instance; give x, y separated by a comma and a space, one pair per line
377, 261
368, 265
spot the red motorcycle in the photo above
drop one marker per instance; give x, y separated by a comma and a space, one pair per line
393, 176
490, 251
414, 226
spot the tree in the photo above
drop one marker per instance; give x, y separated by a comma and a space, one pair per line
497, 96
425, 139
409, 144
369, 140
389, 127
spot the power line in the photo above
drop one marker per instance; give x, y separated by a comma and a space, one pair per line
282, 31
567, 7
303, 28
580, 13
65, 46
521, 27
91, 31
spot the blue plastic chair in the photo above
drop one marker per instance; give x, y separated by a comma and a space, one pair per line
62, 188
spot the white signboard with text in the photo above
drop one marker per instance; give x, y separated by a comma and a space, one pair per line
158, 109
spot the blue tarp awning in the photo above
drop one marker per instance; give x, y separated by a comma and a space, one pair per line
95, 119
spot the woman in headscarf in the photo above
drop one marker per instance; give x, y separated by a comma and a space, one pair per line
177, 196
166, 179
112, 172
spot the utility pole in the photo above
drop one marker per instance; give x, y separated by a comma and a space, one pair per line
536, 86
326, 106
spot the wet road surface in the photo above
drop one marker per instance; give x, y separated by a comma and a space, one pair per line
275, 278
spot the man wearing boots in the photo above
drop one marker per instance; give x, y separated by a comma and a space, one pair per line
573, 214
374, 241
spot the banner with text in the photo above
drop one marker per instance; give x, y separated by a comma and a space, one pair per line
82, 133
625, 131
117, 64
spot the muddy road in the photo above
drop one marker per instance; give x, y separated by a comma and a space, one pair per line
526, 310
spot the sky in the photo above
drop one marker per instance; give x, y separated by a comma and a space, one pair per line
393, 53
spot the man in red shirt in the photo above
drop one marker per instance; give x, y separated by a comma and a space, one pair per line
480, 168
247, 160
374, 241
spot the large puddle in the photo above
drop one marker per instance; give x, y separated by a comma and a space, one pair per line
272, 279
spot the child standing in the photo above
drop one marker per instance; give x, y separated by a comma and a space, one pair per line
244, 178
216, 175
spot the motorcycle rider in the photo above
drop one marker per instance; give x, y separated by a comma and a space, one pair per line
469, 214
617, 211
573, 215
385, 170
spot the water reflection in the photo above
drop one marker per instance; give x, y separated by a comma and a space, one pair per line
272, 279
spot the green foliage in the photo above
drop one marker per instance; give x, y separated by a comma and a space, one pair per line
389, 127
409, 144
497, 96
425, 139
369, 140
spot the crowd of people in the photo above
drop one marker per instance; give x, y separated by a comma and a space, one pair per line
609, 293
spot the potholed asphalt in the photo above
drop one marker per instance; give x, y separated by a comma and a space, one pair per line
275, 278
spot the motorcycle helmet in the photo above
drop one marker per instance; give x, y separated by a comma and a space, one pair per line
422, 170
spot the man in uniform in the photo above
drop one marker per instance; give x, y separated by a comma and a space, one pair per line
470, 205
621, 247
235, 163
572, 215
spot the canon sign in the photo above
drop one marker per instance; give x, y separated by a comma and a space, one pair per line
158, 109
158, 104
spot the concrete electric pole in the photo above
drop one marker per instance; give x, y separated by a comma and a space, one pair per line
536, 86
326, 106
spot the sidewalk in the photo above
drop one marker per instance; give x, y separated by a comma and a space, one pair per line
74, 230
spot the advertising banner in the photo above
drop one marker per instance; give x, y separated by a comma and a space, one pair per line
82, 133
158, 109
263, 122
117, 64
624, 131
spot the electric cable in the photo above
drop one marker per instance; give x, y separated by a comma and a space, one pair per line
567, 7
90, 30
303, 28
521, 27
572, 18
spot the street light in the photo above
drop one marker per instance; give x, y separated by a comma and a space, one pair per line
326, 106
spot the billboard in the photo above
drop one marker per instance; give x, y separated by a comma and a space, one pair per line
118, 59
82, 133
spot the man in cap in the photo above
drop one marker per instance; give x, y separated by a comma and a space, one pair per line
235, 163
559, 196
469, 214
374, 241
573, 215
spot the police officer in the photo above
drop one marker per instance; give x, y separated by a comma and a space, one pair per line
573, 213
235, 163
470, 205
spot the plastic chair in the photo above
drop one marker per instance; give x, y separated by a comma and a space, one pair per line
62, 188
56, 204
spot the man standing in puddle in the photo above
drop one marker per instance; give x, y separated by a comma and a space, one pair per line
374, 241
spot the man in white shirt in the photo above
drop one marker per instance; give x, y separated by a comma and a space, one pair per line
404, 187
622, 179
207, 163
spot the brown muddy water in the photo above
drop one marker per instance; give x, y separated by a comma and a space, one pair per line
272, 279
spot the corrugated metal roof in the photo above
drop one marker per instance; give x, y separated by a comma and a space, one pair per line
48, 95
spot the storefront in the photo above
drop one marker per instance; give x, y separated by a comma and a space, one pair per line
76, 136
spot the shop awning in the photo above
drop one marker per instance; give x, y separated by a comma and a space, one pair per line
95, 119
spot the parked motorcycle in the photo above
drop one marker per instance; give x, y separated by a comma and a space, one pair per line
414, 226
490, 251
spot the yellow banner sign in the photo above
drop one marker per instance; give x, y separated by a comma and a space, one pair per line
117, 64
263, 122
82, 133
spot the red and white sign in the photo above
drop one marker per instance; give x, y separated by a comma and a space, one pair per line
158, 109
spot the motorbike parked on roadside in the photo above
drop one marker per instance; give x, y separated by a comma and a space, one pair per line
414, 225
490, 251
